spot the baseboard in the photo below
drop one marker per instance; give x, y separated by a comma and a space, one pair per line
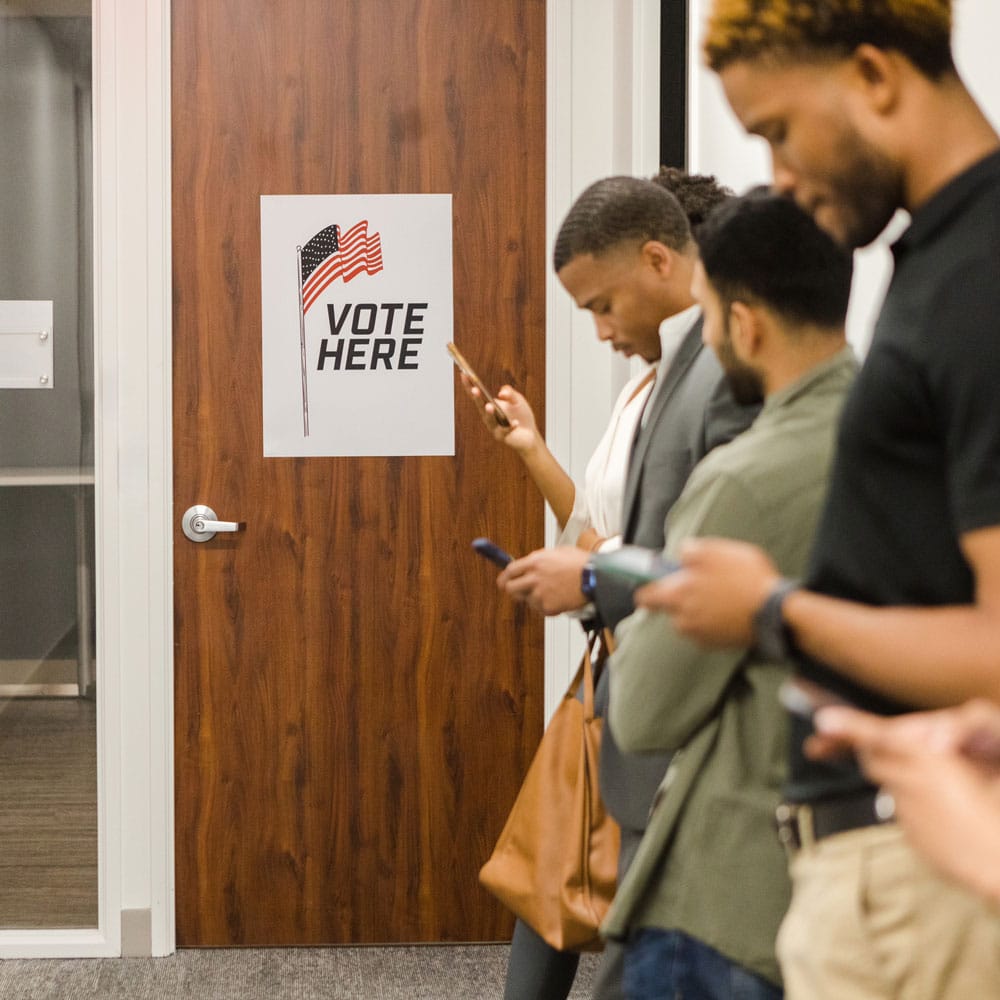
137, 933
40, 691
37, 672
38, 679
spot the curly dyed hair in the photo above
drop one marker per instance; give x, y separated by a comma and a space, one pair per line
797, 30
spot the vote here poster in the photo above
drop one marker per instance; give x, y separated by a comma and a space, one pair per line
356, 310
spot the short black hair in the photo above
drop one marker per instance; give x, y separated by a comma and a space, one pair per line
698, 194
763, 249
620, 210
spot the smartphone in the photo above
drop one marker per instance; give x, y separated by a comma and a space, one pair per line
491, 551
635, 564
466, 369
805, 698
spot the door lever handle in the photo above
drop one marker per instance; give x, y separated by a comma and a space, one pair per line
201, 524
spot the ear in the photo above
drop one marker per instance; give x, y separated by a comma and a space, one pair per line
878, 76
658, 256
746, 330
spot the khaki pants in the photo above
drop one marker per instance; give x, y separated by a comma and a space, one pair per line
869, 920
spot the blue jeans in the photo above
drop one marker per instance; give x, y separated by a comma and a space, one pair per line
669, 965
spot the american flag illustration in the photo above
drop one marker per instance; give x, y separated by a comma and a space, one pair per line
330, 255
324, 243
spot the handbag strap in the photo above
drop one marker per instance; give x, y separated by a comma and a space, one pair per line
588, 679
600, 645
603, 642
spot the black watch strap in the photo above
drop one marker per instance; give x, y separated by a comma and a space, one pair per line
772, 637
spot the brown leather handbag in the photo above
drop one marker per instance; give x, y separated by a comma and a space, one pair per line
556, 861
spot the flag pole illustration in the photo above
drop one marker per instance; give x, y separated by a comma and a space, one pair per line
316, 252
326, 257
302, 350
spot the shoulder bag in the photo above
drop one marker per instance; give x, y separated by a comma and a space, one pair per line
556, 861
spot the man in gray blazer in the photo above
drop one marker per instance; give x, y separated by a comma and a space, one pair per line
626, 253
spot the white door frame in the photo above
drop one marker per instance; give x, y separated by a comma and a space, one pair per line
133, 493
133, 264
602, 108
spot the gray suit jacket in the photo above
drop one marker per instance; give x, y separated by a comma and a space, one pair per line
692, 412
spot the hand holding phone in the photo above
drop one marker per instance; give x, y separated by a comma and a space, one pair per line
805, 698
493, 552
634, 564
466, 369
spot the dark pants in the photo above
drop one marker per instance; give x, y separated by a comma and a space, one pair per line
669, 965
608, 981
536, 970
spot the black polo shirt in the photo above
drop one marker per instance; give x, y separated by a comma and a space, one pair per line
918, 454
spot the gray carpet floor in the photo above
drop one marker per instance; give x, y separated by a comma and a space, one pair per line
470, 972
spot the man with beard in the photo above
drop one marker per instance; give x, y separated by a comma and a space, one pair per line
865, 113
701, 903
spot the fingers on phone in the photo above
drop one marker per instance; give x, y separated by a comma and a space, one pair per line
493, 411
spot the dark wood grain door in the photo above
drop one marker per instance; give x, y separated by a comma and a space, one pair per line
355, 702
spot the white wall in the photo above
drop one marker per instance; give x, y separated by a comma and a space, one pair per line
717, 143
977, 27
603, 119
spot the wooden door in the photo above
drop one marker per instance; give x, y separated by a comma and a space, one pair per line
355, 702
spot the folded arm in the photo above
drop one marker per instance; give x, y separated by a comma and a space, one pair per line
664, 687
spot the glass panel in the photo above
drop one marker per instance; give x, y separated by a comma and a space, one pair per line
48, 741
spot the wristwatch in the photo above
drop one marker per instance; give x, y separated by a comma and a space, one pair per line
588, 581
772, 637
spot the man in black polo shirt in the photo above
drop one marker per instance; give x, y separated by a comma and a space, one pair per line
865, 113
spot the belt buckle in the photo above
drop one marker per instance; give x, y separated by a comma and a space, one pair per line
794, 822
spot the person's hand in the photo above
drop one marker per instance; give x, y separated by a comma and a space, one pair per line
548, 580
714, 596
971, 731
522, 435
942, 770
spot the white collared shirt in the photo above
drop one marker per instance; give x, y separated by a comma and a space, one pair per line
598, 503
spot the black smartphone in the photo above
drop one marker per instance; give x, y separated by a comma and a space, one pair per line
467, 370
491, 551
805, 698
635, 564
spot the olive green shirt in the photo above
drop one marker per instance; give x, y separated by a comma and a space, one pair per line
710, 864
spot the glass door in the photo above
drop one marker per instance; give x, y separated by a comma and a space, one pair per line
48, 673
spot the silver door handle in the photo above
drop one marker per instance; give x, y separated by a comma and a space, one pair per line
201, 524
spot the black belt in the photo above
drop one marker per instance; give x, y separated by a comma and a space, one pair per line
801, 824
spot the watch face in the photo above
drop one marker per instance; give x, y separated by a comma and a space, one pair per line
588, 582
